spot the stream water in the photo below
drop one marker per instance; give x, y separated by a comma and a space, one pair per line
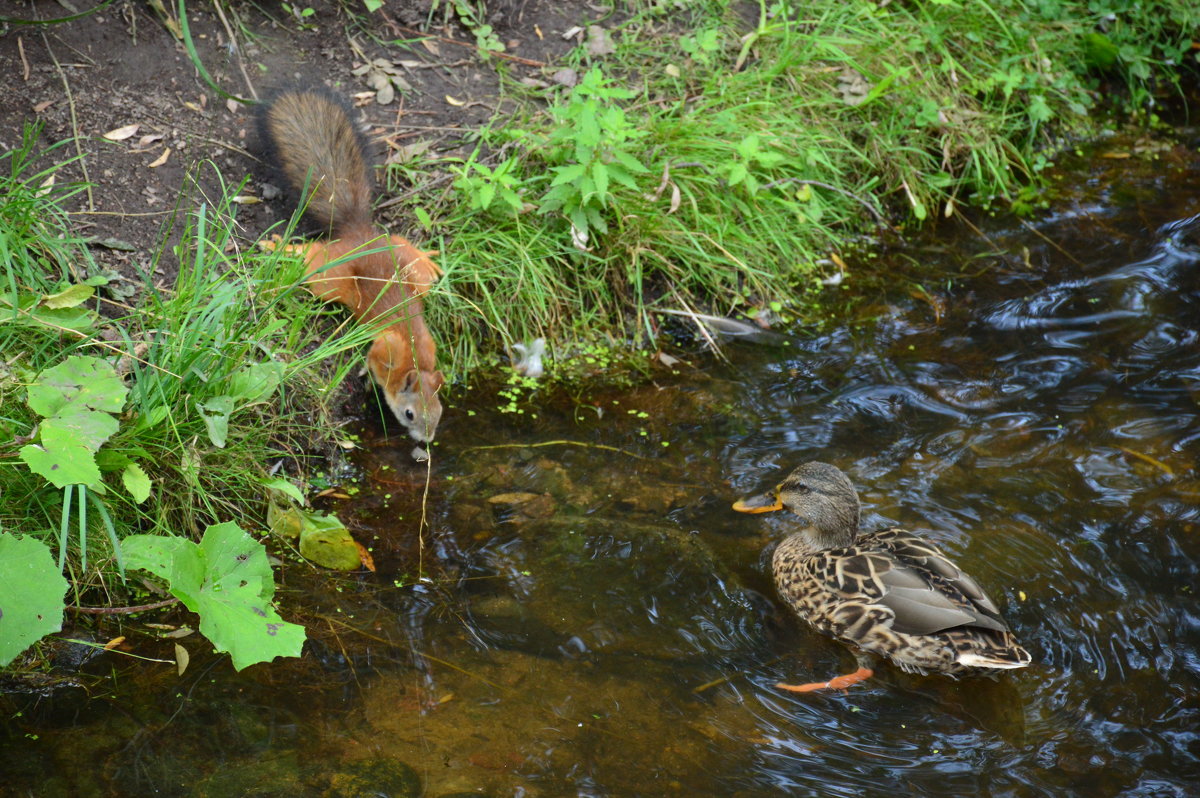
596, 621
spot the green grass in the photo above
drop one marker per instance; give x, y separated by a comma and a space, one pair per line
229, 351
720, 170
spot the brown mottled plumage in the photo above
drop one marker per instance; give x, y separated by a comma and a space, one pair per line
887, 593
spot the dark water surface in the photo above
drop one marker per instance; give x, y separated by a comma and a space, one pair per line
597, 622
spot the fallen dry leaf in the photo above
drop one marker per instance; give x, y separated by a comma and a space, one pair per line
365, 557
122, 133
455, 102
599, 41
565, 77
162, 159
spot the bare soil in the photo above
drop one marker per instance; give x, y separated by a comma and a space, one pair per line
123, 66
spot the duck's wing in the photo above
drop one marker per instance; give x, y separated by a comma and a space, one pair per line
925, 591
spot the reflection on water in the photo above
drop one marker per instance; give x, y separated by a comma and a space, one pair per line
600, 623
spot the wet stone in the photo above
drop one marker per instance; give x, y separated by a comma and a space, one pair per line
516, 508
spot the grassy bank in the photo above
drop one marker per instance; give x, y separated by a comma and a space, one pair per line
725, 168
711, 161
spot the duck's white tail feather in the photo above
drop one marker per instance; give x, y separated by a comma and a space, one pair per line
979, 661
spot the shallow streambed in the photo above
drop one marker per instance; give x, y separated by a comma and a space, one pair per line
598, 622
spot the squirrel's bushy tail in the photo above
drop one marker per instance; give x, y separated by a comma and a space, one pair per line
313, 141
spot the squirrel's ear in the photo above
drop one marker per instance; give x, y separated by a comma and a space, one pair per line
438, 380
411, 381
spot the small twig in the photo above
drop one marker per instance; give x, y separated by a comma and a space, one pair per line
24, 60
1050, 241
977, 231
124, 610
87, 181
695, 318
237, 51
564, 443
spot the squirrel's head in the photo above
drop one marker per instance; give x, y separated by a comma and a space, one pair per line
414, 402
411, 393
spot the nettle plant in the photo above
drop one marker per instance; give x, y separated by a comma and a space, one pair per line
588, 150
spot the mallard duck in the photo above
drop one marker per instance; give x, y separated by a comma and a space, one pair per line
886, 593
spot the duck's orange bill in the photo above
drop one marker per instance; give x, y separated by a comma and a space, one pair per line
768, 502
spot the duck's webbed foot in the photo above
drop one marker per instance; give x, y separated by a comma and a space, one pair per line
864, 672
836, 683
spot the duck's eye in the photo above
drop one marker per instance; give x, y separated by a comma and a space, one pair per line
408, 414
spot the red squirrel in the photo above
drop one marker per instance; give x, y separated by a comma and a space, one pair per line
309, 136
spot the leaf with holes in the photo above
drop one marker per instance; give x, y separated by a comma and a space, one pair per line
227, 580
31, 594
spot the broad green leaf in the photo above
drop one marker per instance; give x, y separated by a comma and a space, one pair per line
72, 296
286, 487
227, 580
70, 465
154, 553
284, 521
109, 460
216, 412
256, 382
88, 382
31, 594
326, 541
136, 482
86, 428
323, 538
31, 314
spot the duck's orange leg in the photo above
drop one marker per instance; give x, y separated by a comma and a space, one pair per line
837, 683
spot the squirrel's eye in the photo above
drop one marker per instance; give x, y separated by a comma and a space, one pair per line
408, 414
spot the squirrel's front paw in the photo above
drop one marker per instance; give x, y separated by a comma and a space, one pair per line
275, 243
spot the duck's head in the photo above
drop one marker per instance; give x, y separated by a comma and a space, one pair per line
822, 499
